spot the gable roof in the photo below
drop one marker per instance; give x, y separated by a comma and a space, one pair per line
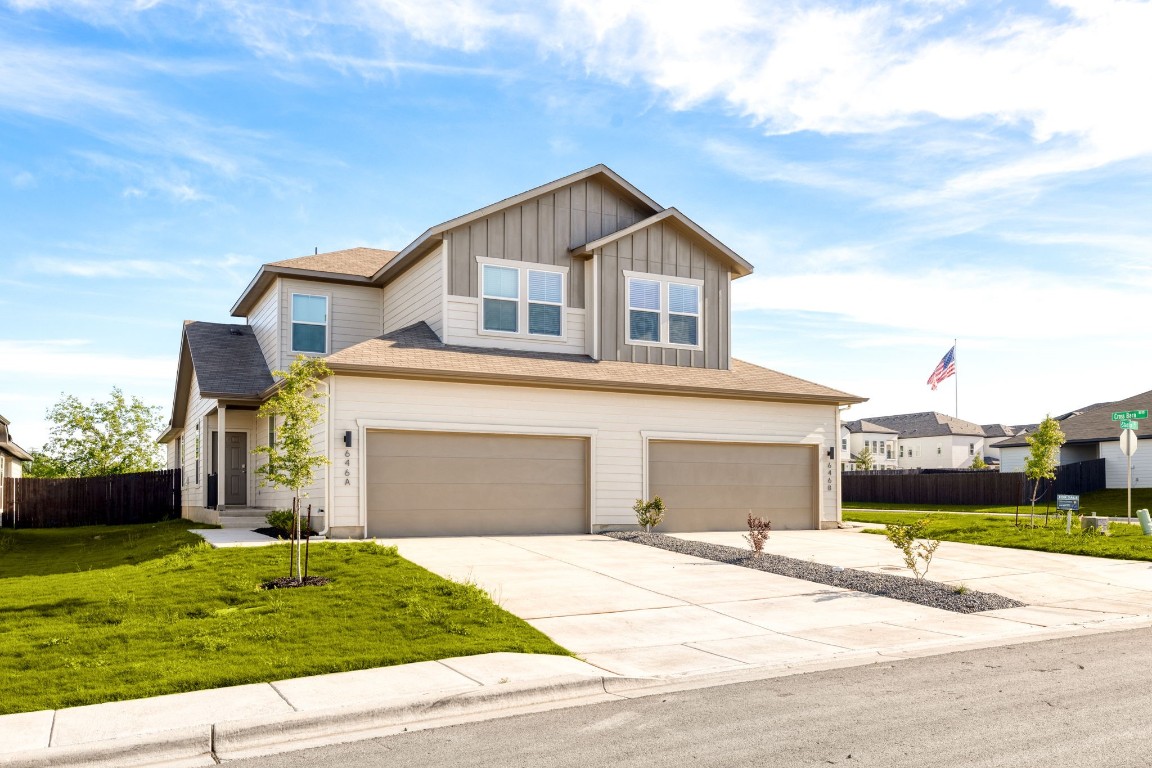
227, 362
670, 214
928, 424
354, 266
1093, 423
863, 425
417, 352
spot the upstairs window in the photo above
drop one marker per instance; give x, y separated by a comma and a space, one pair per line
522, 300
309, 323
663, 311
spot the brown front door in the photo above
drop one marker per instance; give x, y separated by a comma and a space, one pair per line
235, 468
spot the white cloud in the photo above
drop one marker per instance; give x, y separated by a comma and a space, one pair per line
69, 359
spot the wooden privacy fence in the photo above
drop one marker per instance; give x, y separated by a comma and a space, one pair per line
991, 488
141, 497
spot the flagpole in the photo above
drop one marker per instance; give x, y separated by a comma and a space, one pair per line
956, 380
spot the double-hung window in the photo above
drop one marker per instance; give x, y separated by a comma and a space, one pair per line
663, 311
309, 323
522, 300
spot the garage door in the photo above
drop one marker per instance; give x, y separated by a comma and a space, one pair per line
713, 486
457, 484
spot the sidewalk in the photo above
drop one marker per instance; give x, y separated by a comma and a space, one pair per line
643, 620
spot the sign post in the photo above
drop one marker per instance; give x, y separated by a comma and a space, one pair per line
1069, 502
1128, 447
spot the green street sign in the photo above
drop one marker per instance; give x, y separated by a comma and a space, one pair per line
1129, 425
1129, 415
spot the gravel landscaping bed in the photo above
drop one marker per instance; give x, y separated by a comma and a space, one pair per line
921, 591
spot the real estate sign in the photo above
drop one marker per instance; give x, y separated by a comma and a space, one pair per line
1068, 501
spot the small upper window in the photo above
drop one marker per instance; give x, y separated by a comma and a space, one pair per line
971, 449
309, 323
505, 312
661, 311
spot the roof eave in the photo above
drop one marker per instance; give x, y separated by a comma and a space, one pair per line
268, 273
567, 383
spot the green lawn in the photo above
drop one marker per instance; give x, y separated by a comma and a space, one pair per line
1124, 541
1109, 503
83, 627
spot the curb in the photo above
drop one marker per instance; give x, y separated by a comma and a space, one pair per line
234, 739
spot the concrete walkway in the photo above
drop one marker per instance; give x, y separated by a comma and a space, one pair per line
642, 619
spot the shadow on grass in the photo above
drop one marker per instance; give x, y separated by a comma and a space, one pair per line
47, 610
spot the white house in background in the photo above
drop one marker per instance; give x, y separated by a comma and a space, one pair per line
995, 434
880, 440
1091, 433
12, 458
534, 366
933, 440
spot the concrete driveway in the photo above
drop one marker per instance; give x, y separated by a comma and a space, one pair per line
639, 611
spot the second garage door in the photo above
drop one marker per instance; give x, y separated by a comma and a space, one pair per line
713, 486
465, 484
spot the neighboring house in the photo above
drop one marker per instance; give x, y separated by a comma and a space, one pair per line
1091, 433
535, 366
12, 458
881, 441
933, 440
995, 434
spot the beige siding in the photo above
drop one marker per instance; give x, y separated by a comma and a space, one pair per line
464, 328
417, 295
265, 322
663, 249
196, 416
617, 420
355, 314
541, 231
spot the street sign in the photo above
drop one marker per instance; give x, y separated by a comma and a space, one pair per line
1133, 424
1067, 501
1126, 415
1128, 442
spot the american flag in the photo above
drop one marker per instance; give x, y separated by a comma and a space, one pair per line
946, 368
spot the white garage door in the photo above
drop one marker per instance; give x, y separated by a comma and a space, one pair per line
713, 486
464, 484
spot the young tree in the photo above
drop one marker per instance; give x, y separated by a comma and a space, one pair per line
979, 463
1041, 462
111, 437
865, 460
292, 459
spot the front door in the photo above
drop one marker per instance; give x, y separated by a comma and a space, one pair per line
236, 469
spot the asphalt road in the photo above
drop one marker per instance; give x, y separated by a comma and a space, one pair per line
1077, 702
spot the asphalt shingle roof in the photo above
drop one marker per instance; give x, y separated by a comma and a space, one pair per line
1093, 423
863, 425
417, 349
227, 359
361, 262
928, 424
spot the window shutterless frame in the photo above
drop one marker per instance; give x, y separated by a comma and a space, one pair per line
522, 300
310, 314
663, 311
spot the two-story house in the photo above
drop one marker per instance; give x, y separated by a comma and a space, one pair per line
933, 440
881, 443
535, 366
12, 458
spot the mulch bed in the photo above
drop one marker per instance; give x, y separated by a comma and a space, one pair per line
290, 582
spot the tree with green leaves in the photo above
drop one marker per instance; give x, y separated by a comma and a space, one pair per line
292, 457
865, 460
979, 463
1044, 446
110, 437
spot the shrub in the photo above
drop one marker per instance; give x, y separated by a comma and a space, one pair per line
281, 520
758, 529
906, 538
649, 513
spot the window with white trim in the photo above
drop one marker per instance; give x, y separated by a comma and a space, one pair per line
309, 323
664, 311
522, 300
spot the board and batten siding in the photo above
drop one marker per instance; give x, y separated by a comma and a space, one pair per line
663, 249
355, 314
417, 295
614, 421
541, 231
464, 328
265, 323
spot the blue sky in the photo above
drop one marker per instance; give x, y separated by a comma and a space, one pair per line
901, 174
